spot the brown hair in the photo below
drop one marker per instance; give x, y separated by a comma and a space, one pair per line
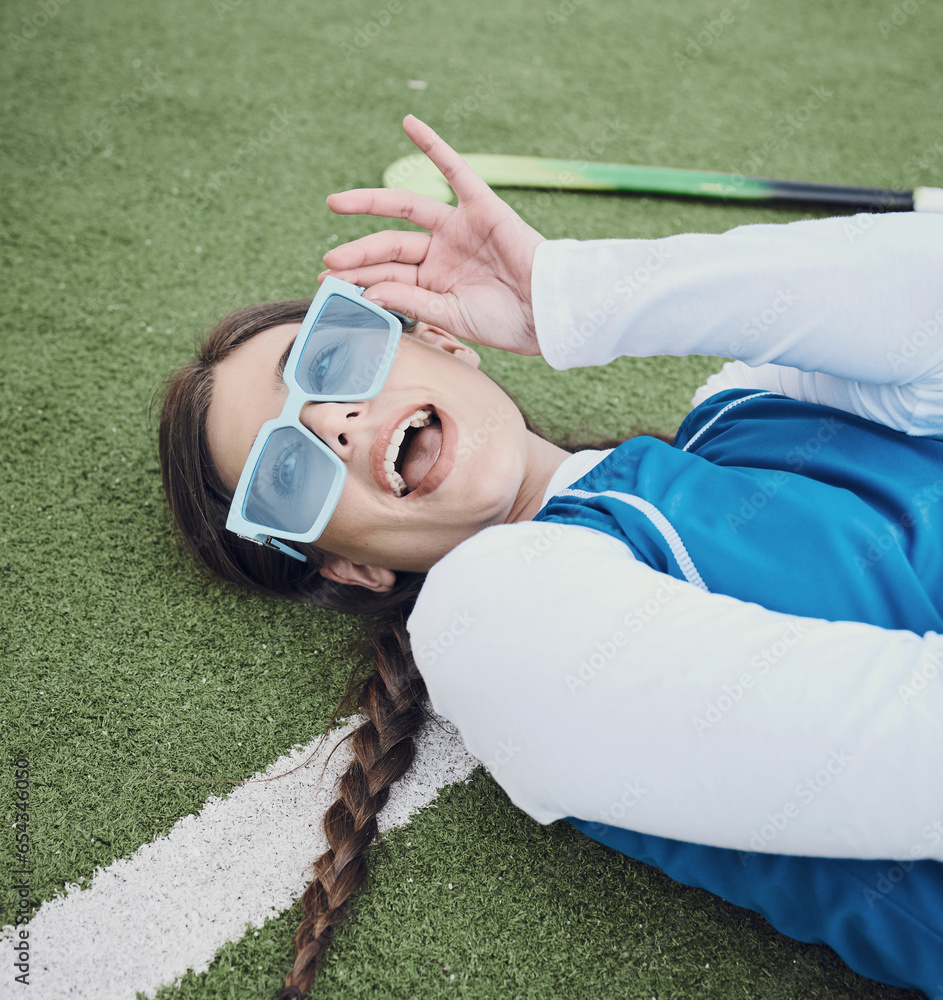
199, 500
393, 697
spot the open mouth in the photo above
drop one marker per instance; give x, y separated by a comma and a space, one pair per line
413, 450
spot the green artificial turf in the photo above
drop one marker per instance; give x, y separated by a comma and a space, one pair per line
163, 163
512, 909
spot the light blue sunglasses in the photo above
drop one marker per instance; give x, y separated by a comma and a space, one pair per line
291, 481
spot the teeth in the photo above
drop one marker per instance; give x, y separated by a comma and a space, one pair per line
397, 482
421, 418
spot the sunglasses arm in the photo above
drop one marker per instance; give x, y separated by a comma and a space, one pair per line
273, 543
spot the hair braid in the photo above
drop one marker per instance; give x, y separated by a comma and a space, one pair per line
393, 699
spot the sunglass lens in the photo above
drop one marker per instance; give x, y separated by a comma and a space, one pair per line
347, 352
291, 483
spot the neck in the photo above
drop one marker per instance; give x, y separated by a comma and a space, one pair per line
543, 460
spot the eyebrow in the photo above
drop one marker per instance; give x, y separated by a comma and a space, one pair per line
280, 367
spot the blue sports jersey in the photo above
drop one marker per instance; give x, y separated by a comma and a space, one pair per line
810, 511
798, 507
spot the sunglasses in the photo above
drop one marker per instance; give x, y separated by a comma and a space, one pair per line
292, 480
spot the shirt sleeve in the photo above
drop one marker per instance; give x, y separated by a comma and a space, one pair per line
915, 408
593, 686
856, 302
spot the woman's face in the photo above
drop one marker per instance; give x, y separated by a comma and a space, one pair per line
479, 478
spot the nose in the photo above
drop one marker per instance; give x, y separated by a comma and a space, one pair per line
334, 423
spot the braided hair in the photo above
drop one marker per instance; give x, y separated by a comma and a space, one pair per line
392, 699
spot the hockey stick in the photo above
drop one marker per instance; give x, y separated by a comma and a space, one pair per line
417, 173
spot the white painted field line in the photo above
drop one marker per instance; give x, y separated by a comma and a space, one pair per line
145, 920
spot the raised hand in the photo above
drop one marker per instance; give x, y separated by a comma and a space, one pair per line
469, 274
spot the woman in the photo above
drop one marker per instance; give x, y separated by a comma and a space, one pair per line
749, 748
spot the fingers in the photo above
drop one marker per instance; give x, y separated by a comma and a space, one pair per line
464, 181
372, 274
412, 301
377, 248
390, 203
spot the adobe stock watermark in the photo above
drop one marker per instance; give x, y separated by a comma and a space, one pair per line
929, 158
493, 422
432, 649
898, 16
224, 7
630, 284
588, 154
558, 15
120, 108
805, 792
795, 459
855, 227
922, 676
784, 131
926, 334
891, 538
542, 544
200, 197
605, 652
22, 869
764, 320
888, 880
367, 32
579, 161
31, 26
713, 28
632, 794
462, 109
506, 752
733, 692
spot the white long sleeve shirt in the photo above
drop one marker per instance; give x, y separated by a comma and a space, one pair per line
594, 686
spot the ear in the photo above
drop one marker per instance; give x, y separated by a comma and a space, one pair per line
342, 570
445, 341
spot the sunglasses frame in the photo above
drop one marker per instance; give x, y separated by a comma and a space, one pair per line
263, 534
